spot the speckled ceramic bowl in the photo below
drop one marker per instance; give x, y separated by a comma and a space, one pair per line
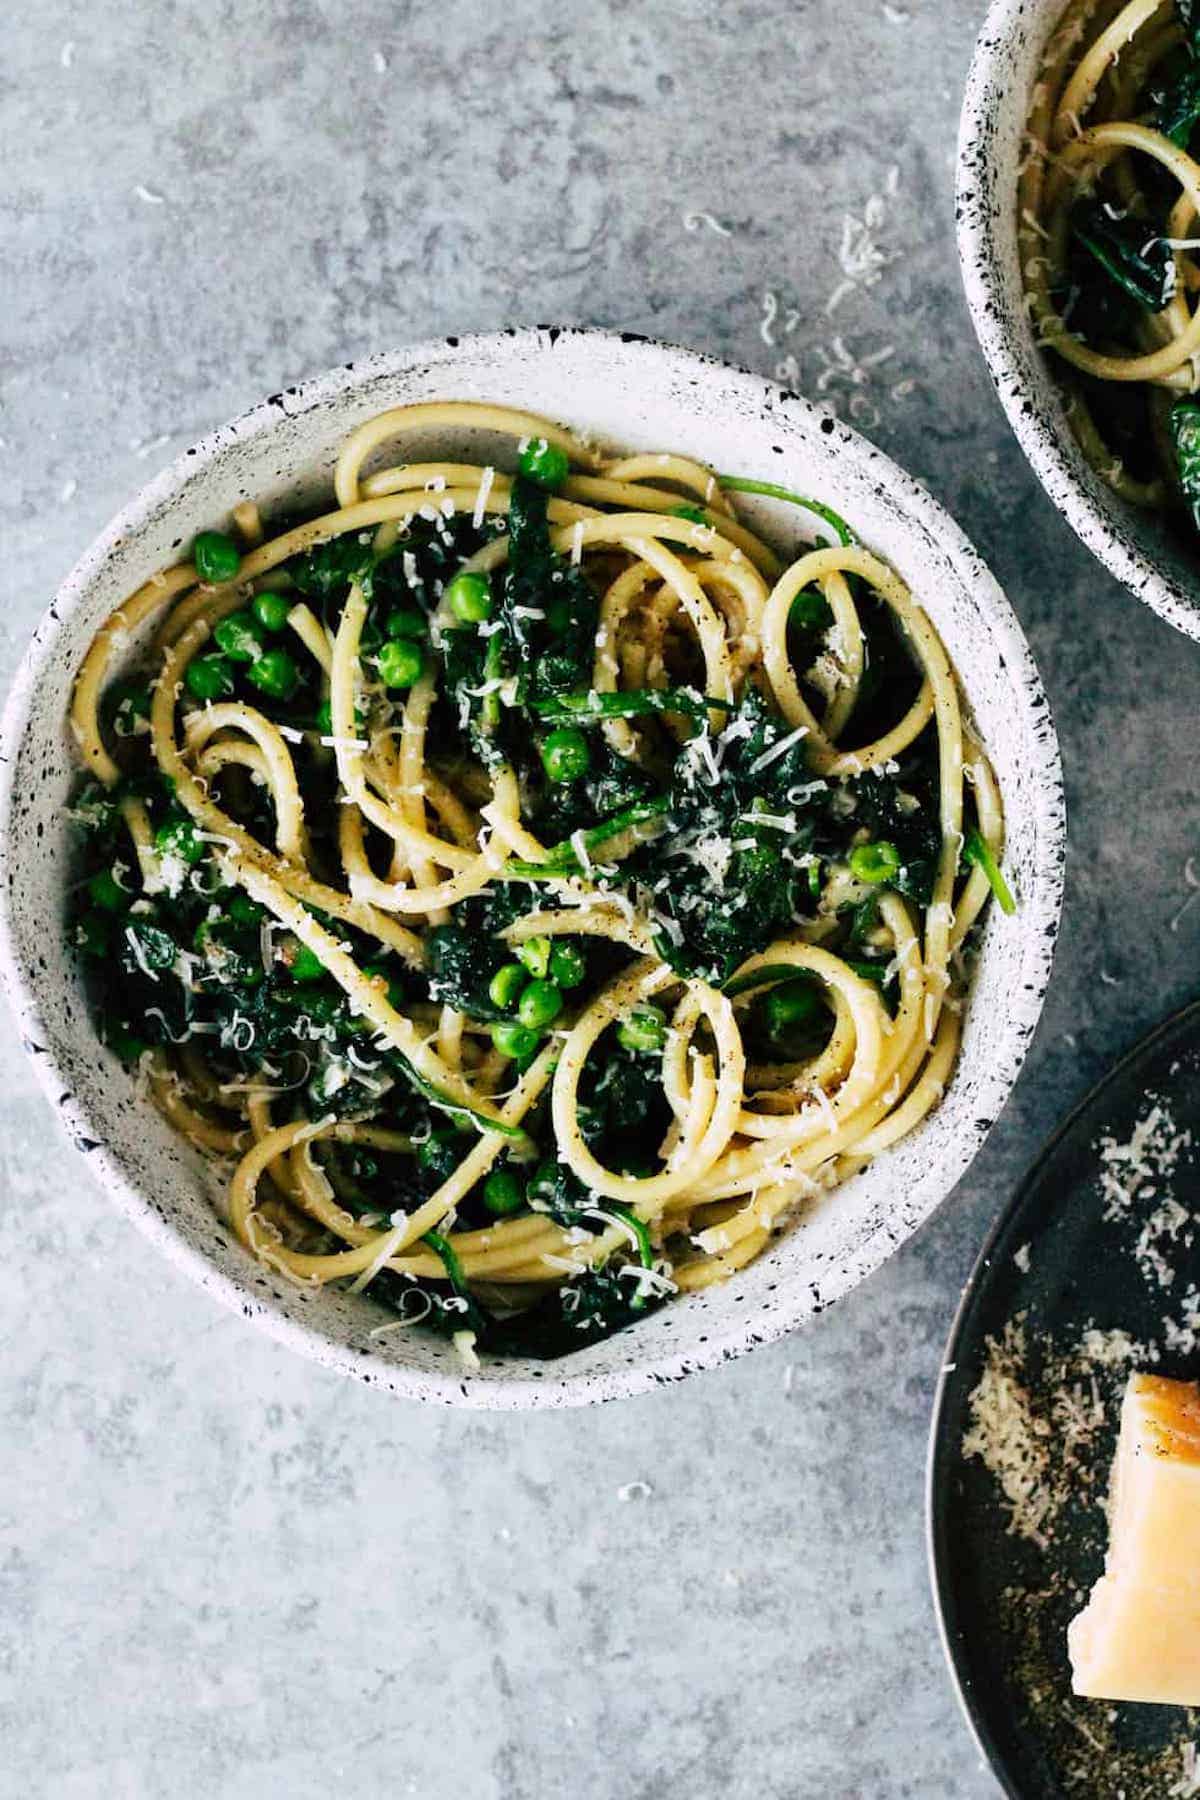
641, 395
1134, 545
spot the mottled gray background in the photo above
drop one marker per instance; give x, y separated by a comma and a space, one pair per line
224, 1573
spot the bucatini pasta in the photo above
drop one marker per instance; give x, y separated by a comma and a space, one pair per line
526, 884
1109, 199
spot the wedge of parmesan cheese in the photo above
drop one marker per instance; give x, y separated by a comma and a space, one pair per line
1138, 1637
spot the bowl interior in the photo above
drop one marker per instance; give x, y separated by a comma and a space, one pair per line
1138, 547
634, 394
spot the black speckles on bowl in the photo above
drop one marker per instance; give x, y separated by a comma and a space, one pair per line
641, 395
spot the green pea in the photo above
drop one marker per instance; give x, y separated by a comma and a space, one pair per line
209, 677
178, 838
568, 965
540, 1004
240, 637
506, 985
810, 612
645, 1030
271, 610
565, 754
92, 934
469, 597
274, 674
790, 1004
877, 862
245, 911
401, 662
303, 964
534, 955
406, 622
513, 1040
559, 617
377, 972
545, 463
123, 1042
216, 556
503, 1193
106, 892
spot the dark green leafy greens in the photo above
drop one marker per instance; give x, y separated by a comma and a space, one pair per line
1177, 106
885, 807
729, 868
325, 573
1185, 431
538, 643
717, 830
1131, 252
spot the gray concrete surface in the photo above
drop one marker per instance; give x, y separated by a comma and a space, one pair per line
222, 1572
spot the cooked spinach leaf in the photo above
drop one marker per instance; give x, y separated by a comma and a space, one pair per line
461, 964
591, 1306
1185, 430
1177, 106
1131, 252
327, 570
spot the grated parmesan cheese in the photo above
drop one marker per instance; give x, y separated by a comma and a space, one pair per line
1132, 1171
777, 750
1188, 1784
861, 258
1010, 1438
481, 500
692, 221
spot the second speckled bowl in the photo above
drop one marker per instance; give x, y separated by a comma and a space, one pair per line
1135, 546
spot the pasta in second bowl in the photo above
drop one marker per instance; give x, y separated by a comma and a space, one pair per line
1073, 201
536, 877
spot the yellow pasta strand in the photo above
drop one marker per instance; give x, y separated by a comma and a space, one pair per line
416, 833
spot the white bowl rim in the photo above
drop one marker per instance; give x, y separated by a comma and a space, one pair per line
516, 1393
1048, 446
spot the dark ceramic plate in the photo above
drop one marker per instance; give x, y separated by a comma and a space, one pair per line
1100, 1237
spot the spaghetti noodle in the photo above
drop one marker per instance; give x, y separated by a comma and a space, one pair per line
531, 889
